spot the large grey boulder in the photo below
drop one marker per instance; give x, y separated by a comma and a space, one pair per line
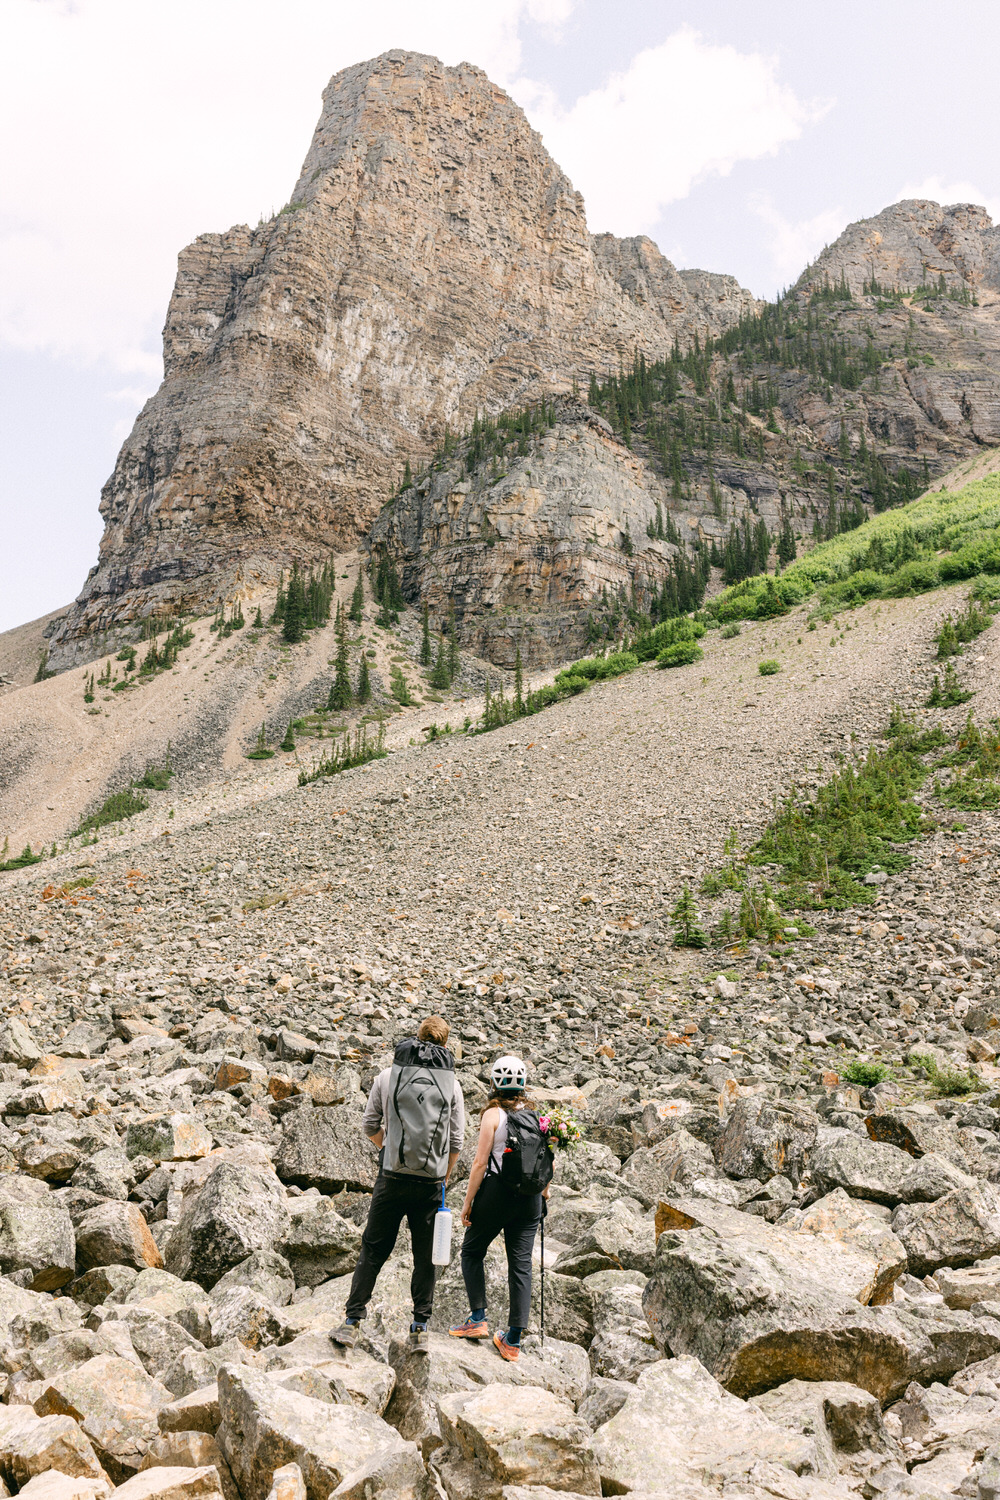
842, 1419
31, 1445
173, 1137
243, 1313
957, 1229
653, 1172
522, 1435
622, 1345
680, 1431
115, 1403
107, 1172
36, 1234
337, 1447
966, 1286
764, 1138
265, 1272
17, 1045
451, 1365
883, 1173
239, 1209
621, 1240
326, 1148
759, 1305
318, 1242
157, 1340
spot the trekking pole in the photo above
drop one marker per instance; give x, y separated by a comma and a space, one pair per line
541, 1288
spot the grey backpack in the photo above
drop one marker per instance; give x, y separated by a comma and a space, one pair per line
418, 1110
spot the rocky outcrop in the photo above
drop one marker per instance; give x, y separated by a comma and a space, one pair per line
523, 550
432, 261
912, 243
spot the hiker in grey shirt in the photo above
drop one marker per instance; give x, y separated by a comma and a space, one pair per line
415, 1117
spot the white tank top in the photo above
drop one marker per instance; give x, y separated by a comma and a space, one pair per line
499, 1141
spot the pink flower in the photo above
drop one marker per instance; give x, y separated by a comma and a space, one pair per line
543, 1123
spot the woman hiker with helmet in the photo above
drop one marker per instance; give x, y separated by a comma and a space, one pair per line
507, 1187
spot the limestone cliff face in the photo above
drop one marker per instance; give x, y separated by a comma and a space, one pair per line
914, 242
526, 556
432, 261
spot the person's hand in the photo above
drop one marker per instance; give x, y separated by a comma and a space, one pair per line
467, 1215
545, 1189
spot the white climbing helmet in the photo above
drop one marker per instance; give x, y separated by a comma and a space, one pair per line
509, 1073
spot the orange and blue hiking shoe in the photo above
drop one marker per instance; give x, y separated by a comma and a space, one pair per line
507, 1351
472, 1328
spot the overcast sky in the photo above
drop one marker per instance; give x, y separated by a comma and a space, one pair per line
741, 137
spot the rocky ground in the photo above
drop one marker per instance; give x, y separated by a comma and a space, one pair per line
762, 1279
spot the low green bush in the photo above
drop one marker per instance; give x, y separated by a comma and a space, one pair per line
119, 806
769, 667
948, 1082
681, 654
648, 646
866, 1074
731, 630
914, 577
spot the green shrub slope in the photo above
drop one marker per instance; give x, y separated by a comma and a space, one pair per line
938, 538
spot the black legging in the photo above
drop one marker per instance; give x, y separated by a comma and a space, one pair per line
496, 1208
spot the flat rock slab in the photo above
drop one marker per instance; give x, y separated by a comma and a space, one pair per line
115, 1402
522, 1435
680, 1428
173, 1484
337, 1447
757, 1308
961, 1227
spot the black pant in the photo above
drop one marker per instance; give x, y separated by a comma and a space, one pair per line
496, 1208
418, 1200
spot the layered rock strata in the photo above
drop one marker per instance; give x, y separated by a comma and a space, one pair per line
431, 262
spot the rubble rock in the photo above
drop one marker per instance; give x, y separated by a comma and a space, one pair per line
325, 1148
521, 1435
265, 1426
239, 1210
318, 1243
36, 1234
31, 1445
680, 1428
116, 1234
115, 1402
173, 1137
961, 1227
764, 1138
173, 1484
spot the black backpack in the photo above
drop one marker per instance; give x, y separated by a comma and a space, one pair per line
526, 1166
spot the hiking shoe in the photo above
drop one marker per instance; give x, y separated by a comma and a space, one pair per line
507, 1351
419, 1339
470, 1329
346, 1335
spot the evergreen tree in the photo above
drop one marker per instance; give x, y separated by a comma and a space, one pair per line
407, 477
687, 932
358, 601
288, 743
258, 620
364, 686
278, 612
425, 641
439, 677
518, 684
340, 690
293, 627
454, 664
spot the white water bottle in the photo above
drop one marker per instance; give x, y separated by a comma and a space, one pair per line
441, 1248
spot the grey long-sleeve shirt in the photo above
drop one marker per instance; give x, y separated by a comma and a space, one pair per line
373, 1120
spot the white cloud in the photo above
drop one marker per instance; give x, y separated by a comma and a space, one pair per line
130, 126
943, 192
681, 111
797, 242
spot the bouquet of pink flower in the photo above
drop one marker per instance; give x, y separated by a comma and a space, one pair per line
561, 1129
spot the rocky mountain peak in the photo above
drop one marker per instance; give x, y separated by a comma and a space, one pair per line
433, 261
913, 243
